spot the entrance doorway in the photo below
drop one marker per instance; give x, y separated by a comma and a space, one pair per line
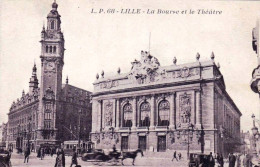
124, 143
161, 144
142, 143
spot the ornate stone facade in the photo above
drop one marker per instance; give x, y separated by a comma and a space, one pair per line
48, 114
151, 107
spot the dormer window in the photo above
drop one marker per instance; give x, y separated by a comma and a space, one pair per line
52, 24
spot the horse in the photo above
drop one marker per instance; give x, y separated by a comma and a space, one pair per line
131, 154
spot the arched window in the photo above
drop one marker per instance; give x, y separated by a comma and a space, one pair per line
46, 49
52, 24
164, 113
54, 49
50, 49
145, 111
127, 111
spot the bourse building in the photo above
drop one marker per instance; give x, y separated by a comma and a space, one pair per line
53, 112
168, 108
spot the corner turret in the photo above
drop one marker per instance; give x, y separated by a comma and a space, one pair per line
33, 84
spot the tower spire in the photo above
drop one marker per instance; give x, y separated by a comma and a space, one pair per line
33, 84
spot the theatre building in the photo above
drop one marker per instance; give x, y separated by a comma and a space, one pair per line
51, 112
178, 107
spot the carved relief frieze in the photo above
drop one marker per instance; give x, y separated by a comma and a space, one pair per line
185, 108
143, 98
162, 96
108, 84
108, 115
185, 72
126, 99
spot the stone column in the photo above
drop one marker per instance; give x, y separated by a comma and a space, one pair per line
172, 110
152, 112
114, 114
100, 115
117, 113
134, 113
198, 109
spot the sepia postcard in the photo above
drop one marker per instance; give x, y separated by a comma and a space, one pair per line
123, 83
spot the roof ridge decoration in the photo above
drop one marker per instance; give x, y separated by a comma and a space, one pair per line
146, 70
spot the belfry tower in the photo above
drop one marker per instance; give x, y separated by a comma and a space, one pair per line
52, 54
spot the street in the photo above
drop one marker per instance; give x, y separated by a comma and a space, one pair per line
48, 161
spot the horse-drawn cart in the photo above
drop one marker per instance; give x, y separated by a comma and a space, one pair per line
114, 158
5, 157
98, 157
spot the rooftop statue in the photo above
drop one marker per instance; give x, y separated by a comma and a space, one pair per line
146, 70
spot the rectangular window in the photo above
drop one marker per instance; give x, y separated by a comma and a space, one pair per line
142, 143
161, 144
124, 143
47, 124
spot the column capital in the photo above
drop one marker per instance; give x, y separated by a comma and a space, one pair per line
100, 101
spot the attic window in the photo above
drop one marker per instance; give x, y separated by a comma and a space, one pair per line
52, 24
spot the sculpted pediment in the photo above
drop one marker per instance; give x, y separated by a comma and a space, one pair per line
146, 70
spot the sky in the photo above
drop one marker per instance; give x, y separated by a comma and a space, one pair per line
106, 41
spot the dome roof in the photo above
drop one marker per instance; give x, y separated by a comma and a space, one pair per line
54, 5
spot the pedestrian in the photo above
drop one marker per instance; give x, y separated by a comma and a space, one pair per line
238, 162
114, 148
38, 153
26, 155
52, 151
221, 160
60, 159
42, 153
247, 161
174, 156
10, 152
211, 161
179, 156
232, 160
74, 160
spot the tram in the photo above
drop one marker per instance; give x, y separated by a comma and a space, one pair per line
85, 146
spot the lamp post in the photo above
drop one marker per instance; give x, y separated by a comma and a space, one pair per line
255, 135
79, 132
18, 137
189, 131
187, 136
24, 137
29, 133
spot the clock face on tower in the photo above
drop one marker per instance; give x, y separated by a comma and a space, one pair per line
50, 66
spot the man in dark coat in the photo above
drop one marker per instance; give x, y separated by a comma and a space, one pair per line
211, 160
174, 156
74, 160
27, 154
60, 159
232, 160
